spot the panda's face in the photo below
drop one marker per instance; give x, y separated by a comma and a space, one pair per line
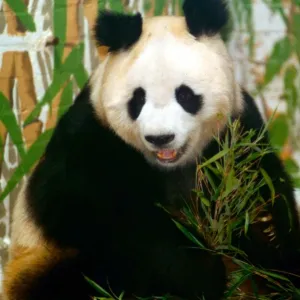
169, 94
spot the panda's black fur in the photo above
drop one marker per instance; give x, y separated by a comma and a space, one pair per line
94, 193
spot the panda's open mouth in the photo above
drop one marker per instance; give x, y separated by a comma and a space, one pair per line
170, 155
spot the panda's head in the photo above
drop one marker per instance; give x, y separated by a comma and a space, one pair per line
166, 85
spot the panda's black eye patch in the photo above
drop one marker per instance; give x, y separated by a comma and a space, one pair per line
189, 101
136, 103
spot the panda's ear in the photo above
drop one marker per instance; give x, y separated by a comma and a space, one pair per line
117, 31
205, 16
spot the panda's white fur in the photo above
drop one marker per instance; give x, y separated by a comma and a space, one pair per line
166, 56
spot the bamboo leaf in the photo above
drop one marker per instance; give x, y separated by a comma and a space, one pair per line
188, 234
32, 156
214, 158
101, 4
247, 221
20, 9
81, 75
62, 75
98, 288
205, 201
280, 54
296, 31
275, 275
54, 88
248, 8
269, 183
291, 165
159, 7
60, 30
296, 181
180, 3
66, 99
147, 6
116, 5
279, 131
7, 117
231, 183
235, 286
290, 90
1, 149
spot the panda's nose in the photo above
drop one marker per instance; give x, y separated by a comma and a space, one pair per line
160, 140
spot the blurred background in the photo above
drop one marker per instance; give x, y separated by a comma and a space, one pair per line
47, 55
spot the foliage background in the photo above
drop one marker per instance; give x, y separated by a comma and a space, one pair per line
39, 78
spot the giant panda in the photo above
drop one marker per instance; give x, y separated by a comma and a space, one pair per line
132, 139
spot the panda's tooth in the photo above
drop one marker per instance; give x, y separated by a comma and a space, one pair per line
167, 154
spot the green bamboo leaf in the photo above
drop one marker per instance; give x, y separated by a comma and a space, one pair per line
66, 99
20, 9
101, 4
54, 88
159, 7
98, 288
116, 5
269, 183
7, 117
211, 182
248, 9
62, 75
188, 234
231, 183
1, 149
60, 30
291, 165
180, 4
121, 296
32, 156
247, 221
275, 275
147, 6
280, 54
81, 76
214, 158
296, 181
297, 2
296, 31
205, 201
279, 131
290, 90
235, 286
